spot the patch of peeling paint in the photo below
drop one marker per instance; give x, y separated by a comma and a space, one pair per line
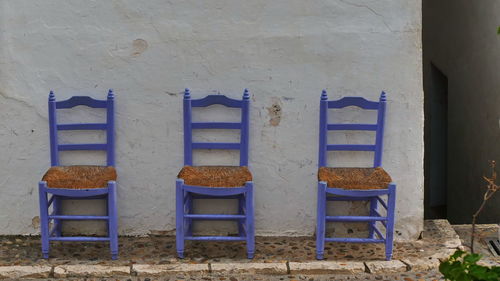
139, 46
35, 222
275, 111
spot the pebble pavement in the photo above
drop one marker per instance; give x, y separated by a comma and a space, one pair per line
288, 258
25, 250
408, 276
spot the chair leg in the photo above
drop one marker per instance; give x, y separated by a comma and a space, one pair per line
179, 217
113, 220
391, 206
373, 209
107, 214
58, 211
44, 219
241, 202
189, 210
321, 220
250, 230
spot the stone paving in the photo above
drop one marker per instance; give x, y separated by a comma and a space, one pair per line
282, 258
483, 231
408, 276
161, 250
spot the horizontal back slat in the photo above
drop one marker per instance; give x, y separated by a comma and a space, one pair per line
215, 125
352, 127
216, 99
81, 100
350, 147
83, 146
84, 126
353, 101
215, 145
357, 193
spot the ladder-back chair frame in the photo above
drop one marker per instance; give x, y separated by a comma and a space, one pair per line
373, 195
186, 193
53, 197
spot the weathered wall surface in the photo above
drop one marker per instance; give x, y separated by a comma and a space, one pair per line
460, 39
284, 52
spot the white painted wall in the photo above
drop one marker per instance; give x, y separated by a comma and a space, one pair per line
284, 52
461, 40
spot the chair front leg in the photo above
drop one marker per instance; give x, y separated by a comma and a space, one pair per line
249, 220
179, 217
44, 218
391, 208
321, 220
112, 220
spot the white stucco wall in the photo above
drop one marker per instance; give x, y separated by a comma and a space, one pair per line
284, 52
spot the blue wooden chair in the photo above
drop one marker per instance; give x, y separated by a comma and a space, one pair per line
215, 182
354, 184
78, 182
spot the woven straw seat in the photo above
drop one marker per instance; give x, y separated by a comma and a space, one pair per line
215, 176
355, 178
79, 177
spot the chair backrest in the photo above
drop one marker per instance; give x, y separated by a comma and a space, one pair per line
189, 145
108, 126
324, 127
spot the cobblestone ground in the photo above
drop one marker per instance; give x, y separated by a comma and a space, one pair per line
407, 276
138, 254
161, 250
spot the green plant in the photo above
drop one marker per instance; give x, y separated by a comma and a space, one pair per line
462, 266
498, 30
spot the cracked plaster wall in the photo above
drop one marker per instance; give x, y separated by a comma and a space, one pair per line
284, 52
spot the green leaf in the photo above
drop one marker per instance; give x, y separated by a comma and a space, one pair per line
462, 277
478, 272
472, 258
457, 254
498, 30
445, 268
496, 269
462, 266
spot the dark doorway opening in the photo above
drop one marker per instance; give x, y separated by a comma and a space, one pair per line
436, 145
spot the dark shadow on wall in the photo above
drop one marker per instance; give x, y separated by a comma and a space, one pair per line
462, 104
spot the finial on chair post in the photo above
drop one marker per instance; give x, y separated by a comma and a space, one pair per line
246, 95
187, 94
111, 95
383, 96
324, 96
52, 97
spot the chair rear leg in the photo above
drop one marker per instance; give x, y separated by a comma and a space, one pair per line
320, 221
179, 217
113, 220
58, 211
241, 202
107, 214
44, 219
250, 228
391, 206
189, 208
373, 209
